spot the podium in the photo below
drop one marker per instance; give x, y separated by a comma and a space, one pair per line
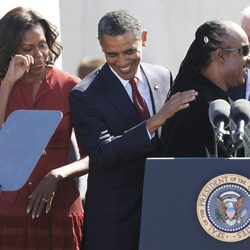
187, 201
23, 139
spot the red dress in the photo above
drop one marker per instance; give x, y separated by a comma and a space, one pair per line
61, 228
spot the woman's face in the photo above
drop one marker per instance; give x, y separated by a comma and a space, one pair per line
34, 43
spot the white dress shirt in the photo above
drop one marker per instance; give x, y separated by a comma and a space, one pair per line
142, 86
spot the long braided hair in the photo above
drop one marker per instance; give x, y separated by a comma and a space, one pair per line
208, 37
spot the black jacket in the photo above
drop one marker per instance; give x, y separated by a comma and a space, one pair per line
189, 133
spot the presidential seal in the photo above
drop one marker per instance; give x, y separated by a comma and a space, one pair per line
223, 207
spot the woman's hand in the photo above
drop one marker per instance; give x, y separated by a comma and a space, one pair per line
43, 195
18, 65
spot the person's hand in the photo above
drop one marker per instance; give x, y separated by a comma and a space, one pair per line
18, 65
43, 195
177, 102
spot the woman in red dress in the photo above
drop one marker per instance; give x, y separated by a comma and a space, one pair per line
46, 213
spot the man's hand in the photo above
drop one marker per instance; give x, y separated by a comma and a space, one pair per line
177, 102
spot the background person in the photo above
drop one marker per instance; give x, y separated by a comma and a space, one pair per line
46, 213
87, 65
243, 91
118, 127
216, 61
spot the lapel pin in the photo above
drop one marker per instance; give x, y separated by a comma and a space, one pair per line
156, 87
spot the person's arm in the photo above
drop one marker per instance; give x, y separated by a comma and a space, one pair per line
18, 66
5, 89
107, 150
95, 125
176, 103
44, 192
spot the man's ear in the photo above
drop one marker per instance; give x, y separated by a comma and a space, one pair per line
144, 38
219, 55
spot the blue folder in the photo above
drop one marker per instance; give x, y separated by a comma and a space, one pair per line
23, 139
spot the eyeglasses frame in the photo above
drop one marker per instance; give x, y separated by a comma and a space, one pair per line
240, 49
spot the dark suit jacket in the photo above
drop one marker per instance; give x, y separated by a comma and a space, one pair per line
240, 93
237, 92
109, 128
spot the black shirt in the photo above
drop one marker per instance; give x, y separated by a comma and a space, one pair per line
189, 133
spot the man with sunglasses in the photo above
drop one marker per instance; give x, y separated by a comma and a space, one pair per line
216, 61
243, 91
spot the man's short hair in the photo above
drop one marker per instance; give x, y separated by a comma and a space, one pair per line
119, 22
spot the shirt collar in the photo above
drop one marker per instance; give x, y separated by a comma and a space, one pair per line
124, 82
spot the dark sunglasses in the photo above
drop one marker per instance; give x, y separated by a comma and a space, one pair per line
243, 50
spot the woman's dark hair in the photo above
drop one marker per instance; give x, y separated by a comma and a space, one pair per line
14, 24
208, 37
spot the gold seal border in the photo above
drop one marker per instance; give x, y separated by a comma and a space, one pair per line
201, 207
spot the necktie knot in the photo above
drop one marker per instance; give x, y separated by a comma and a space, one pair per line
133, 81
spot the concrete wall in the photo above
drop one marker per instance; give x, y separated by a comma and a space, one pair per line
171, 25
52, 12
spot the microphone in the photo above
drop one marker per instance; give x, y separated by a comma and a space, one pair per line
219, 113
240, 114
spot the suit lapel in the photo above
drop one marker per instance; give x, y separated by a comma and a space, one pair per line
158, 93
118, 96
155, 88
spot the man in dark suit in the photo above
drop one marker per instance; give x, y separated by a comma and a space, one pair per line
243, 91
117, 136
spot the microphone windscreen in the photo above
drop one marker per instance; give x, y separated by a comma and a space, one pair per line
219, 110
240, 110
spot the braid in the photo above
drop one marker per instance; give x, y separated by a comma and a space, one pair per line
207, 38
